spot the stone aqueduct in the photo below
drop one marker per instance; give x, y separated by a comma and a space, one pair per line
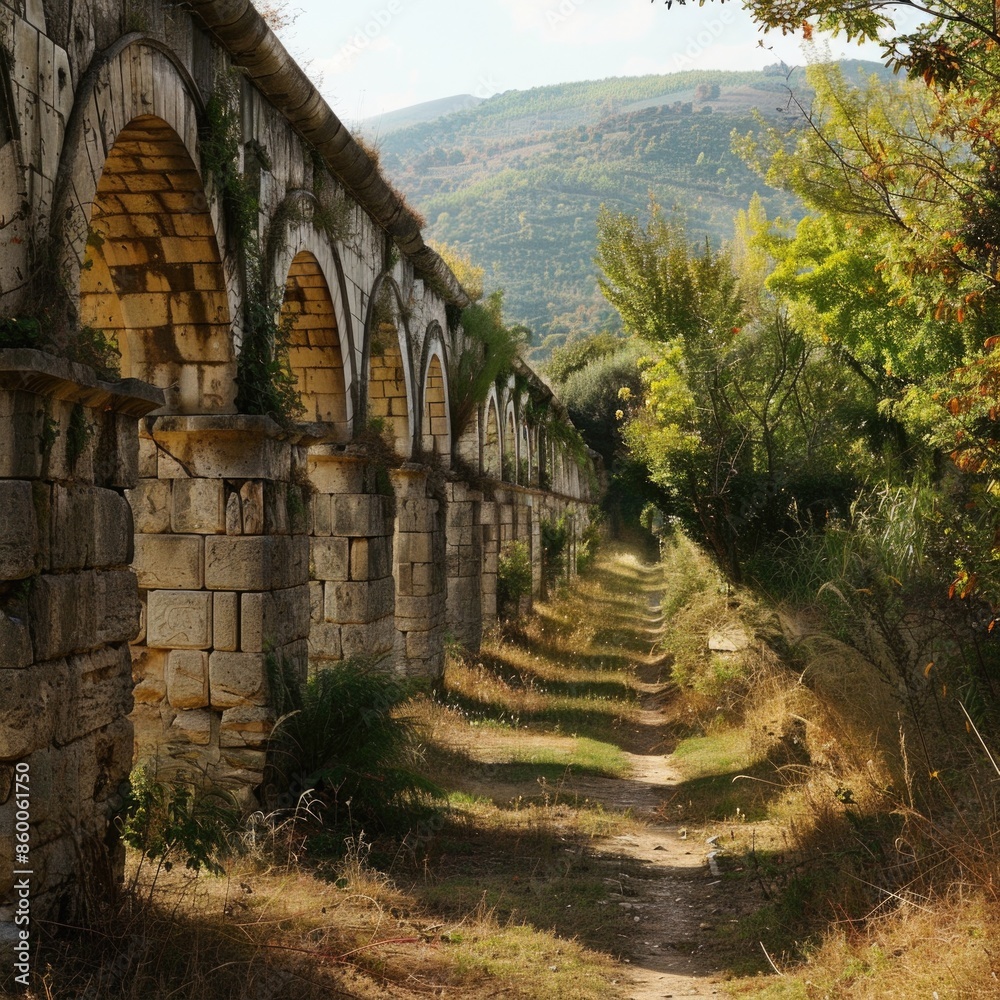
157, 546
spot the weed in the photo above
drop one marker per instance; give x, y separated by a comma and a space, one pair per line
78, 433
513, 578
175, 819
340, 736
48, 434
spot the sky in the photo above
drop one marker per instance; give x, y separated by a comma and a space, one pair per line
379, 55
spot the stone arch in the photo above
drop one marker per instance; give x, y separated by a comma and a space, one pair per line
314, 351
152, 274
388, 387
131, 218
436, 412
492, 462
509, 447
322, 354
524, 454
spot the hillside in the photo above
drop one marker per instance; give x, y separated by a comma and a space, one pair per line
415, 114
516, 182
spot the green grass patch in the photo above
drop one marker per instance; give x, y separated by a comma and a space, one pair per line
714, 754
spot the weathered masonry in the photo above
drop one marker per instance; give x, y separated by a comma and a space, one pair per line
173, 187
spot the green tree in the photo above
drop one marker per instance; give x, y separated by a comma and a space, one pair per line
741, 418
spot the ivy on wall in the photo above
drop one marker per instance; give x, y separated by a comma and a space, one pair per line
265, 382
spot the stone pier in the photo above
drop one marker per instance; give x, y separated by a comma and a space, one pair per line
350, 559
222, 559
69, 606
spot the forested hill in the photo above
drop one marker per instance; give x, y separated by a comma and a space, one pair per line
516, 182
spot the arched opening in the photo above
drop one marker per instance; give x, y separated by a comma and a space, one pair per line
153, 276
388, 408
491, 441
307, 312
436, 429
509, 447
524, 464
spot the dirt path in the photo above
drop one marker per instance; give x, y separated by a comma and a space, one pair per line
676, 900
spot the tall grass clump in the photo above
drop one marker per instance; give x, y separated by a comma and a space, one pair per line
341, 734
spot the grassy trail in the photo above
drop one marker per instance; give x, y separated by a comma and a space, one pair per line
553, 743
547, 873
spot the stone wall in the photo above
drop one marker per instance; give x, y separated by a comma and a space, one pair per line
68, 608
352, 591
222, 559
162, 553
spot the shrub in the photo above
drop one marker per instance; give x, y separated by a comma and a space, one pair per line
589, 540
340, 735
555, 535
513, 578
175, 820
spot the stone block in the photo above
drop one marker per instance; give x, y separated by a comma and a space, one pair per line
98, 692
246, 726
240, 762
231, 446
150, 502
118, 608
321, 512
411, 483
371, 558
71, 525
273, 619
30, 703
149, 670
225, 620
256, 562
335, 474
329, 558
460, 515
147, 458
234, 514
179, 619
324, 641
192, 726
361, 516
415, 548
198, 506
252, 505
424, 645
355, 603
105, 762
315, 602
373, 639
19, 531
424, 582
114, 530
237, 679
276, 520
187, 678
15, 642
416, 516
295, 658
63, 614
170, 562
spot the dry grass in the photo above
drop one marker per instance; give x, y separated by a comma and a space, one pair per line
862, 828
499, 894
